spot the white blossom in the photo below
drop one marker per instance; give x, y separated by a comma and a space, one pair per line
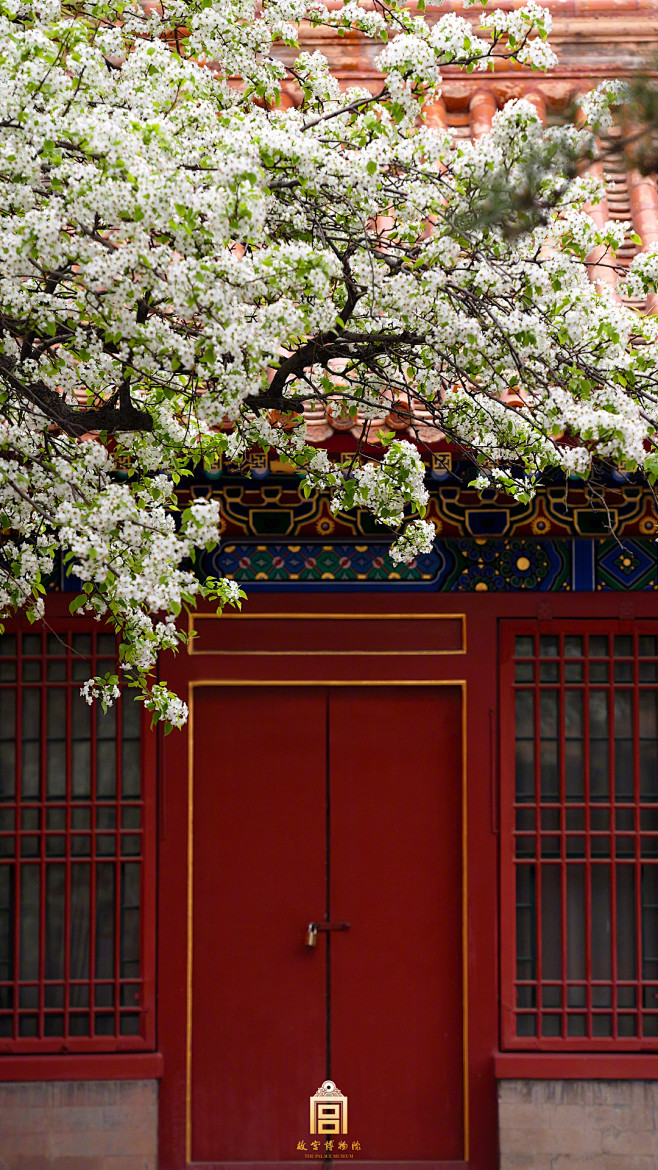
184, 263
418, 537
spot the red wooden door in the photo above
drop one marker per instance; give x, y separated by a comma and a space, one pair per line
258, 1024
396, 979
341, 804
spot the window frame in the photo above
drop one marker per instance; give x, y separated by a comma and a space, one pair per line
511, 1042
72, 1047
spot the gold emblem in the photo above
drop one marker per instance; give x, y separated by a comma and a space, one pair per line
441, 461
255, 463
328, 1110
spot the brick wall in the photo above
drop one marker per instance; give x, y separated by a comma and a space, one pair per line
79, 1125
578, 1125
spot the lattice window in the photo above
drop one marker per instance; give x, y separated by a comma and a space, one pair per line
579, 755
74, 851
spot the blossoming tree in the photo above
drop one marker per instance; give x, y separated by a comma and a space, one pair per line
183, 264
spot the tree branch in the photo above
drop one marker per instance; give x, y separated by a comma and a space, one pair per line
73, 420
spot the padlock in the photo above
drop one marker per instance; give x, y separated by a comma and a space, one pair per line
311, 935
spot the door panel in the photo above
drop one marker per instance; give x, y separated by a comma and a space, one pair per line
258, 1027
396, 976
346, 802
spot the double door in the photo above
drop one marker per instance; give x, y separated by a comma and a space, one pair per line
341, 807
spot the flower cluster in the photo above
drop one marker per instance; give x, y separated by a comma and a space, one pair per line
185, 263
417, 538
386, 488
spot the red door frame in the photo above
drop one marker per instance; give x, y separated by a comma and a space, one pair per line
477, 668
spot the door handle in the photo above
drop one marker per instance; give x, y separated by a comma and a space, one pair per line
313, 928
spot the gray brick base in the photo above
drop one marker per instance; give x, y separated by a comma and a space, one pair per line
578, 1125
79, 1125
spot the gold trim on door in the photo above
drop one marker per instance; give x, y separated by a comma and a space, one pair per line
193, 618
461, 683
